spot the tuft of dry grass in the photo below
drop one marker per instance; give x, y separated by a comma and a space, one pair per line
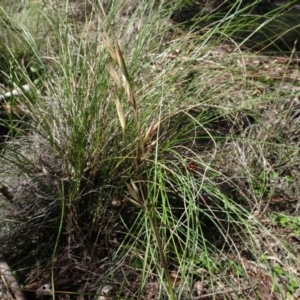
163, 164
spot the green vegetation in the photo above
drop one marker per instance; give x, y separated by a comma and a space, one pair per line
158, 159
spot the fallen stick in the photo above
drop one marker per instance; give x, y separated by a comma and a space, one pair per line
11, 280
16, 92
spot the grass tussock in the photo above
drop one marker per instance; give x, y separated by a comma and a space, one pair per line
147, 158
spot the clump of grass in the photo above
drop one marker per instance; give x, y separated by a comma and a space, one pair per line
149, 157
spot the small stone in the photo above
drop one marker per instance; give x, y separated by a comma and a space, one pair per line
44, 291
